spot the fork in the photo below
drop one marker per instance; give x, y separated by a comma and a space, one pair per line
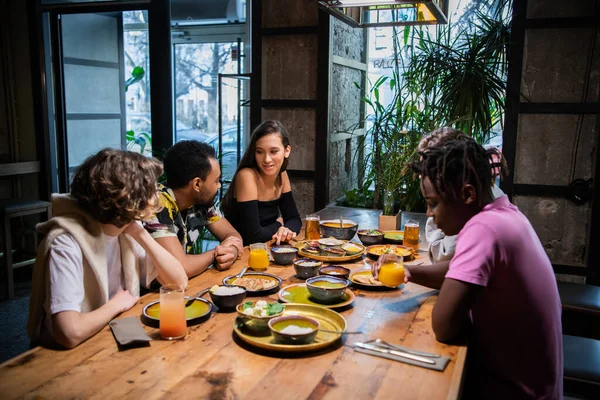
384, 344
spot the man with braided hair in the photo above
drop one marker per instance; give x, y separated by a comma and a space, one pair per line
499, 289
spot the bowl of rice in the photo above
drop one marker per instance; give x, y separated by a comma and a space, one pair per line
294, 329
284, 255
227, 297
256, 314
307, 268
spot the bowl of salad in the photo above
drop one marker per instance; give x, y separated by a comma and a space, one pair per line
257, 314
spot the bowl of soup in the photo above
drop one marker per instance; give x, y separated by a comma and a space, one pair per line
337, 271
326, 288
307, 268
335, 228
294, 329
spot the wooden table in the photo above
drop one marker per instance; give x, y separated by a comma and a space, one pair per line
210, 363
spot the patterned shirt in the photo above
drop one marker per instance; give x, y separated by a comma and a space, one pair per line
186, 225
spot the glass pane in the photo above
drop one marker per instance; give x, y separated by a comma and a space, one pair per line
77, 1
137, 90
106, 85
196, 67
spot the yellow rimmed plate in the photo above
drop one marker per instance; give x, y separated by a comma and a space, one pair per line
298, 293
367, 273
331, 259
275, 281
328, 320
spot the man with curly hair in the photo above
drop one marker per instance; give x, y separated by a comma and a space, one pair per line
95, 254
193, 180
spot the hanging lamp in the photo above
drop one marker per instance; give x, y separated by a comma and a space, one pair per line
376, 13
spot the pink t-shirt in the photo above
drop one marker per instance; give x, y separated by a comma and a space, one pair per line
517, 334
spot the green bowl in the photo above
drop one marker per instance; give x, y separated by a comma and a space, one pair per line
253, 322
195, 313
326, 288
278, 324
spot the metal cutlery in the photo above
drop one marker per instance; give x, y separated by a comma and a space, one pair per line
394, 353
192, 298
389, 346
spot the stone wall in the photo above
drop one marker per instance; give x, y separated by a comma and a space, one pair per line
346, 110
559, 66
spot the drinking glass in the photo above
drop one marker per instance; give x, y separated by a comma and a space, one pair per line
411, 235
258, 259
172, 312
391, 269
312, 227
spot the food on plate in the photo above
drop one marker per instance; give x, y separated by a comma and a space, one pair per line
225, 290
367, 279
330, 241
337, 225
254, 283
399, 251
262, 308
295, 330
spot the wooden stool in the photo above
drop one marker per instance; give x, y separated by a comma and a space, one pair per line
581, 366
17, 208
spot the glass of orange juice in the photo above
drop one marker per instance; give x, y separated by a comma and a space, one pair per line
172, 312
391, 269
258, 259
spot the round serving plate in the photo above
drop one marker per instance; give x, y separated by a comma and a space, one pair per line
375, 251
331, 259
298, 293
195, 313
367, 273
256, 275
328, 320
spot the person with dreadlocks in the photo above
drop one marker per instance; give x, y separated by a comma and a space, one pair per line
499, 289
439, 246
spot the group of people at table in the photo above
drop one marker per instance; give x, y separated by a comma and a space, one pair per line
119, 231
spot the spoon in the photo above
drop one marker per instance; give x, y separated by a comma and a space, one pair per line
243, 272
341, 221
192, 298
342, 333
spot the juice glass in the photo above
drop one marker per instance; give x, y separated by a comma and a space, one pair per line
391, 270
258, 259
172, 312
411, 235
312, 227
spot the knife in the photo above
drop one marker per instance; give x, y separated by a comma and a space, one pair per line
394, 353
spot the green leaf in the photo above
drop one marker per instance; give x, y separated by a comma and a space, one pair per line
406, 34
274, 308
129, 135
247, 305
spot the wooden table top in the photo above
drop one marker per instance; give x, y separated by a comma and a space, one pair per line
210, 363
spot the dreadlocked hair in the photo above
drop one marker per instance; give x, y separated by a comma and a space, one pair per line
459, 162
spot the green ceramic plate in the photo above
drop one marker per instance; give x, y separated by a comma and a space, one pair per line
298, 293
328, 320
195, 313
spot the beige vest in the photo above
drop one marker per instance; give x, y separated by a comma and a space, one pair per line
87, 232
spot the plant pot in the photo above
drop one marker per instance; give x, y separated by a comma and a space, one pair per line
390, 222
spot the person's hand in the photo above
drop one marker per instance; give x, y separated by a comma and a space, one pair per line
124, 300
235, 242
225, 256
134, 229
376, 266
283, 234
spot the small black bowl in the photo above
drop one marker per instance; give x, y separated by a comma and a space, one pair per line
371, 236
284, 255
228, 302
337, 271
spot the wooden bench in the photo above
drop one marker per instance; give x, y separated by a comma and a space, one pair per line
17, 207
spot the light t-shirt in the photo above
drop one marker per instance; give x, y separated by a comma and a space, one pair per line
65, 291
517, 334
